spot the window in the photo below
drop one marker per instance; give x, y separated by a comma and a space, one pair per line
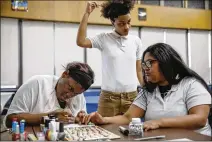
173, 3
199, 4
150, 2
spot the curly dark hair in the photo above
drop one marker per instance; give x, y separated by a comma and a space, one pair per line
114, 8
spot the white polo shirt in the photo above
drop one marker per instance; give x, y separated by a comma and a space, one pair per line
37, 95
119, 55
182, 97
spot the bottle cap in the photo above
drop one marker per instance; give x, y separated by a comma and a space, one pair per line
14, 119
61, 127
136, 120
51, 116
47, 121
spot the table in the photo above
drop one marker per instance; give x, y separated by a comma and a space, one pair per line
7, 136
170, 133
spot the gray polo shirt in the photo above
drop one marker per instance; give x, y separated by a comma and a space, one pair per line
188, 93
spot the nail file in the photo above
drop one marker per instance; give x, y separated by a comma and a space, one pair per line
149, 138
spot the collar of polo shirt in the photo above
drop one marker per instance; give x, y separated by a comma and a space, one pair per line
174, 88
119, 36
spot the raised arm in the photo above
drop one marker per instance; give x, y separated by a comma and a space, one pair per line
82, 41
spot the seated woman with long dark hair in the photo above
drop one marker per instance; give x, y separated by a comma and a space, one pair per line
174, 95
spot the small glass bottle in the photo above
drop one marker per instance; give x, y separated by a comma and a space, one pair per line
136, 127
14, 123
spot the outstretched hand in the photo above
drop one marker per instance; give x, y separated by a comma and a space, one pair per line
80, 115
93, 117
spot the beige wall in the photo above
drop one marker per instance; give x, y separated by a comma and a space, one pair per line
72, 11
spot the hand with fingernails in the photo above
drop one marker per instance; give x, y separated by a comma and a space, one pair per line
91, 6
64, 116
80, 115
151, 125
93, 117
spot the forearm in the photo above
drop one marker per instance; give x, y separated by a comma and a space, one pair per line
140, 77
120, 119
192, 121
81, 35
31, 119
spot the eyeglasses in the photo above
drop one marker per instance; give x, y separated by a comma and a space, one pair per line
72, 88
148, 64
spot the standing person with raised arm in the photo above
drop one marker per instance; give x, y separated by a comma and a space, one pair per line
121, 56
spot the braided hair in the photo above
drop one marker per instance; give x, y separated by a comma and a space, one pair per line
81, 73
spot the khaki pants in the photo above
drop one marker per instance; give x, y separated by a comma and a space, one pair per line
111, 103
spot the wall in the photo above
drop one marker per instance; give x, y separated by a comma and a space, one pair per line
9, 51
72, 11
48, 46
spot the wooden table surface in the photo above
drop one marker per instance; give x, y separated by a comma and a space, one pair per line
169, 133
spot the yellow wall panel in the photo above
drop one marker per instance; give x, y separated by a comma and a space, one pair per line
158, 16
72, 11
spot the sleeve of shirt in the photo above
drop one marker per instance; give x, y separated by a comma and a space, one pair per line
140, 50
23, 99
141, 100
77, 104
97, 41
84, 104
197, 95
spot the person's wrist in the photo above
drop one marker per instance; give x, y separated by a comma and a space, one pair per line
53, 113
105, 120
160, 123
76, 119
87, 13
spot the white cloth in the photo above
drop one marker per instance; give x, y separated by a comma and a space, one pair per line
37, 95
189, 92
119, 55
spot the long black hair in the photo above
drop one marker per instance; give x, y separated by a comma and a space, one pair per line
114, 8
171, 65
